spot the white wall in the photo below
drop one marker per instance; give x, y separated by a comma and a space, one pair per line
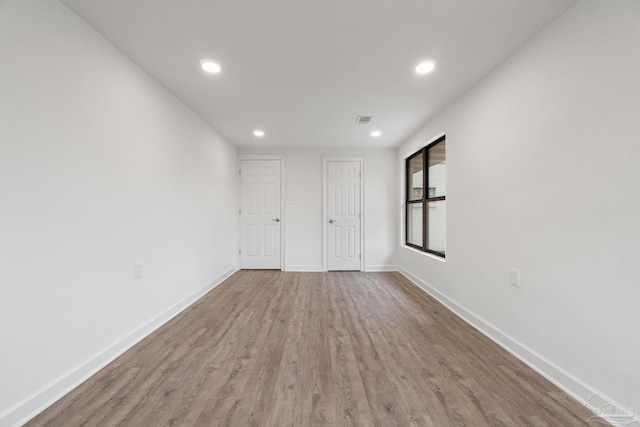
303, 206
100, 168
543, 162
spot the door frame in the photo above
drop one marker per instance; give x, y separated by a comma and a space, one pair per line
283, 194
325, 218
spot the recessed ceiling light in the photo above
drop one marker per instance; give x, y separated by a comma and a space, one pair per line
425, 67
210, 66
258, 133
376, 133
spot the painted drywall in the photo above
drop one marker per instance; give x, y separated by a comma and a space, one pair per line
100, 169
543, 165
303, 206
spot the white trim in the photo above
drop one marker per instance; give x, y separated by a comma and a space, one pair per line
261, 157
38, 401
566, 381
303, 268
374, 268
316, 268
325, 161
283, 197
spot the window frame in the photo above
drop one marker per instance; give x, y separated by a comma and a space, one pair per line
424, 200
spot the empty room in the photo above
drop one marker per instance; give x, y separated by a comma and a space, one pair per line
334, 213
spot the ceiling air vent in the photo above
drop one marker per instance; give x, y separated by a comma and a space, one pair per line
363, 120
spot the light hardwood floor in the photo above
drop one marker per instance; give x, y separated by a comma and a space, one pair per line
267, 348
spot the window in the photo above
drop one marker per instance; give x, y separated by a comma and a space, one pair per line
426, 211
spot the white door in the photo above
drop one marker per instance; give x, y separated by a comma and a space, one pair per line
260, 214
343, 213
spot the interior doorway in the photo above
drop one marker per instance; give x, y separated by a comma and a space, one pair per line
342, 214
261, 221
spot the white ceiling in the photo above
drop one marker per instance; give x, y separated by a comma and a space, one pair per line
303, 70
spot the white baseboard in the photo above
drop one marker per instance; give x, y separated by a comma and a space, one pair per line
587, 395
38, 401
303, 268
373, 268
313, 268
579, 390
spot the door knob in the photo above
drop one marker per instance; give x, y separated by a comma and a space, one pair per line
331, 221
277, 220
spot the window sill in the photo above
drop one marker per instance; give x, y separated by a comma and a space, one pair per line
427, 254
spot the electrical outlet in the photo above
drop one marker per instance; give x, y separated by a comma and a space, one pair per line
137, 271
515, 277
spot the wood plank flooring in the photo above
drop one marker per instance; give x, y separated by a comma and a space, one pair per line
268, 348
